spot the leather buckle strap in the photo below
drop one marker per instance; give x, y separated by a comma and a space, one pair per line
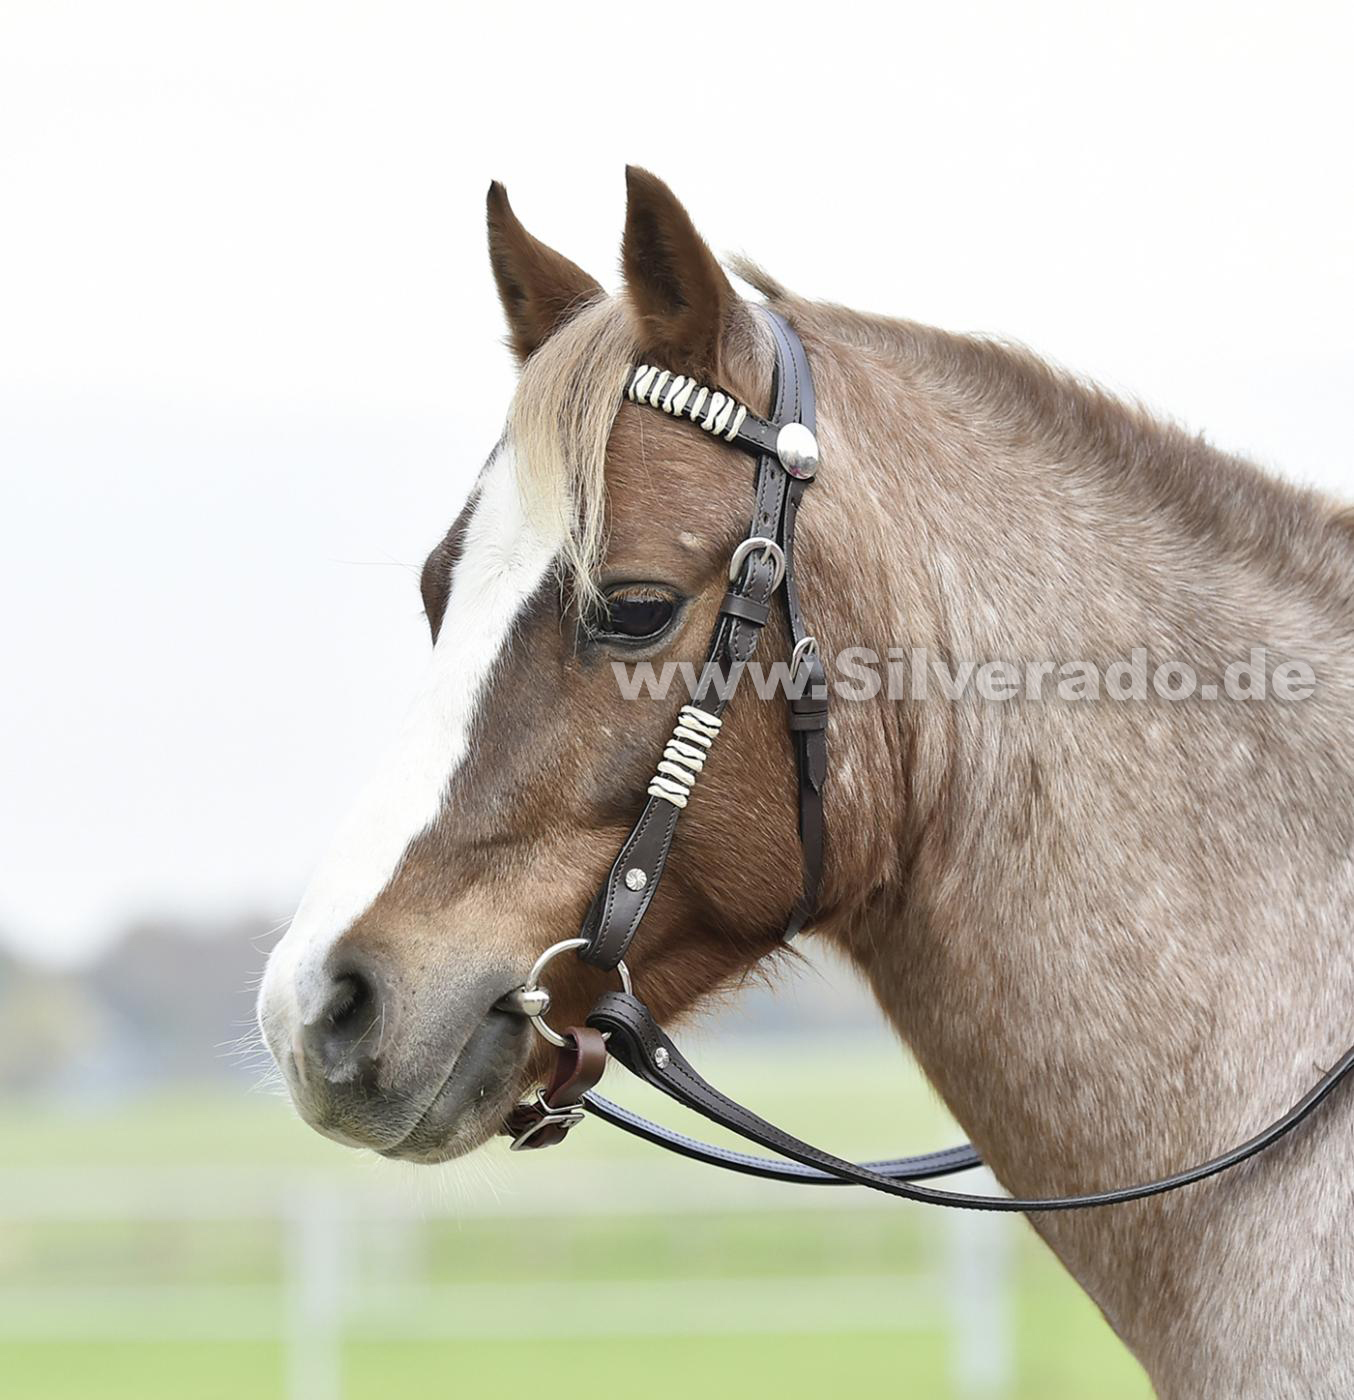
546, 1126
746, 609
809, 711
546, 1118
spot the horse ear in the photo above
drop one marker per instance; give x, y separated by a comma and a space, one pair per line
678, 289
539, 288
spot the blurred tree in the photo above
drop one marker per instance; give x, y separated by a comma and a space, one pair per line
183, 994
167, 1000
48, 1026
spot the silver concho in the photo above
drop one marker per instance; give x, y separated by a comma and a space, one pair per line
797, 449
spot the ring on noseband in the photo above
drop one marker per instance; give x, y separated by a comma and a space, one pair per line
769, 549
533, 1001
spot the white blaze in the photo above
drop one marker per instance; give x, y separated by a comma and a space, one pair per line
503, 560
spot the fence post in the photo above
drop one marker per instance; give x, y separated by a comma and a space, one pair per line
982, 1361
314, 1292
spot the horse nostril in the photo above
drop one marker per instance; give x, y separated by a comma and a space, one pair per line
352, 994
345, 1035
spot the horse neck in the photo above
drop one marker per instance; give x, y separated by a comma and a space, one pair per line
1114, 934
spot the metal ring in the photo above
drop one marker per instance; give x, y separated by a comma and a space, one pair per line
804, 648
770, 550
533, 984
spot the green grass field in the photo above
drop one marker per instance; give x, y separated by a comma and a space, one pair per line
459, 1281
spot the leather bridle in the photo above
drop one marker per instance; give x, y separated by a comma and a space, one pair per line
619, 1026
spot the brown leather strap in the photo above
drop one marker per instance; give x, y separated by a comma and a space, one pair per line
809, 694
546, 1119
735, 605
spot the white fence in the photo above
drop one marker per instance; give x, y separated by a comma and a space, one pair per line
327, 1290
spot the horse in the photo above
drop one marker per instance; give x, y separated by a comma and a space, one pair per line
1114, 934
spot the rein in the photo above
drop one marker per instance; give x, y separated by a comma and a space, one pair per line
620, 1026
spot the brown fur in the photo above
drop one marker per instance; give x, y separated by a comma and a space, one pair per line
682, 299
539, 288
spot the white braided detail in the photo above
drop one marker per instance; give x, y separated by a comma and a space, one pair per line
685, 755
717, 413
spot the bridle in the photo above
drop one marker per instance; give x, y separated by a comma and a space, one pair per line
619, 1025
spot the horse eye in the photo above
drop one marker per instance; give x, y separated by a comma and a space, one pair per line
636, 618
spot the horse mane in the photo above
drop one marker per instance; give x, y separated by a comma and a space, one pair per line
561, 417
1149, 462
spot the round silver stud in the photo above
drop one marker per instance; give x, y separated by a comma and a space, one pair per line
635, 879
797, 449
661, 1058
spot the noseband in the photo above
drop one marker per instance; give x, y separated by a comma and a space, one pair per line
619, 1026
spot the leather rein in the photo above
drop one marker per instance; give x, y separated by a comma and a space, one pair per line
620, 1026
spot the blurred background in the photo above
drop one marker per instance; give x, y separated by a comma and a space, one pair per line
250, 361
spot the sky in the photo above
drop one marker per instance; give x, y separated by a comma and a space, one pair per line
251, 356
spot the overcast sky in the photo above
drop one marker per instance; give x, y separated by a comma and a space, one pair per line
250, 353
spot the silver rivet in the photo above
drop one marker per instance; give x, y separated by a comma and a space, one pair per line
661, 1058
635, 879
797, 449
525, 1001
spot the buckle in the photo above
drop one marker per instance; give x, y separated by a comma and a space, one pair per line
806, 649
808, 694
566, 1116
769, 550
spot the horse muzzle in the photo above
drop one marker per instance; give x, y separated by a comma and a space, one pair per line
423, 1076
